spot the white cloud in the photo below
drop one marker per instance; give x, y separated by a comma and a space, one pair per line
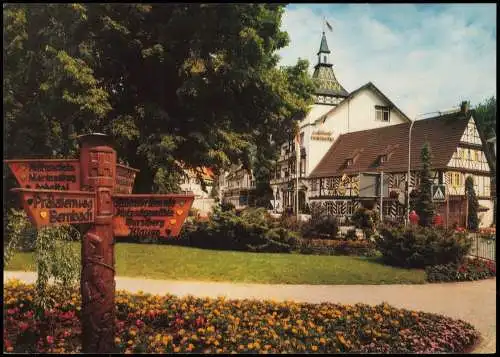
424, 58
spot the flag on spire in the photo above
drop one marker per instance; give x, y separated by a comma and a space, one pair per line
329, 26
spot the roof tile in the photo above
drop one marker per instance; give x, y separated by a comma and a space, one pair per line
443, 134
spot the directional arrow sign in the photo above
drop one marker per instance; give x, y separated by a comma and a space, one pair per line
125, 177
47, 174
438, 192
150, 215
55, 207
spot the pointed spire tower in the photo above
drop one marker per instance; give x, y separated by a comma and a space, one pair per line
328, 90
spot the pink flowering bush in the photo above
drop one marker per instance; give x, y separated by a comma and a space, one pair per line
470, 269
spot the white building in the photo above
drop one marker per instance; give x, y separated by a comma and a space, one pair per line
334, 113
237, 187
191, 184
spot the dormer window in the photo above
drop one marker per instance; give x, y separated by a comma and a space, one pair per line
386, 154
382, 113
351, 159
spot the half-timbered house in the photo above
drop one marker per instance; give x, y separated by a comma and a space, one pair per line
349, 175
238, 187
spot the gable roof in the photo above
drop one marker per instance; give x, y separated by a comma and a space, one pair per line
371, 86
443, 134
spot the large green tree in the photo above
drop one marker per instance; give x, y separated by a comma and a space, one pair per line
197, 83
486, 116
424, 205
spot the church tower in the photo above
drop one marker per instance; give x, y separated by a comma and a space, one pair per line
328, 90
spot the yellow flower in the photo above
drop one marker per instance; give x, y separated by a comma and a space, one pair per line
182, 332
130, 342
322, 341
177, 349
118, 340
314, 348
132, 333
250, 345
241, 347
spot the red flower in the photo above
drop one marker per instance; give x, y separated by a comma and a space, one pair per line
200, 321
139, 323
29, 314
23, 326
50, 340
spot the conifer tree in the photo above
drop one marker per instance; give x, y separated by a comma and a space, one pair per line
472, 218
424, 206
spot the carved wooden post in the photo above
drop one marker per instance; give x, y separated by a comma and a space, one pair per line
69, 191
98, 169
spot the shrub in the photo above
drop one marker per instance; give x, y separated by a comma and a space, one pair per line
193, 212
325, 227
166, 324
470, 269
337, 247
20, 235
351, 235
251, 229
227, 206
290, 222
365, 219
418, 247
277, 240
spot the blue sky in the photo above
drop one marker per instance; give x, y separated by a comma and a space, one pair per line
424, 57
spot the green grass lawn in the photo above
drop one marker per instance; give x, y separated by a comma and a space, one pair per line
182, 263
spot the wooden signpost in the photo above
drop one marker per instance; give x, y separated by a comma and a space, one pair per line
97, 190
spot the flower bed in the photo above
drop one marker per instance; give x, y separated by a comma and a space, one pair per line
166, 324
470, 269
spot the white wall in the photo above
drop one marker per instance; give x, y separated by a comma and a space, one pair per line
195, 187
205, 205
355, 114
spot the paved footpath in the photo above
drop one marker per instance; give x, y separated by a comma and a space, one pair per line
474, 302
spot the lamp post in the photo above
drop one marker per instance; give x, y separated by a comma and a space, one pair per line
440, 112
408, 175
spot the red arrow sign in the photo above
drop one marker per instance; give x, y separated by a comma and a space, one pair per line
150, 215
47, 174
55, 207
125, 177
